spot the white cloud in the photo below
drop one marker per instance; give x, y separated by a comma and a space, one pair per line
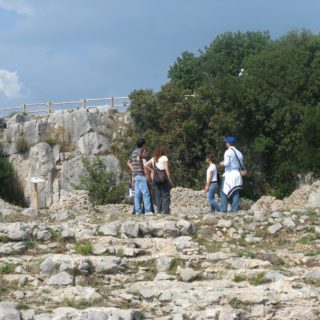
18, 6
10, 84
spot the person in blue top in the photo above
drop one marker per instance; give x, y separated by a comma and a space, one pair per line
232, 179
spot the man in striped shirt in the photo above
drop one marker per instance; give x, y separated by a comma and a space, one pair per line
135, 164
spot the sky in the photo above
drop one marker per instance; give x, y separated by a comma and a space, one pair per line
61, 50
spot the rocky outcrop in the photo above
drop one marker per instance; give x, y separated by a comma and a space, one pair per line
52, 147
78, 261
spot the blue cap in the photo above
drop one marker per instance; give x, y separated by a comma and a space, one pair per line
229, 139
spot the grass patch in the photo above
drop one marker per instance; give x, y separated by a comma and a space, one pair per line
30, 244
315, 283
239, 278
3, 284
210, 246
148, 267
84, 248
120, 253
246, 253
239, 242
304, 240
259, 279
81, 304
7, 268
23, 306
312, 253
237, 304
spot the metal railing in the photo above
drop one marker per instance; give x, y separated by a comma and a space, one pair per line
86, 104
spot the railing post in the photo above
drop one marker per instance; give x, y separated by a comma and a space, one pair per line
84, 103
49, 106
112, 102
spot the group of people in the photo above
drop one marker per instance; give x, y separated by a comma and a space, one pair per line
151, 179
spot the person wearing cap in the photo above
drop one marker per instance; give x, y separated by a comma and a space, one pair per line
232, 179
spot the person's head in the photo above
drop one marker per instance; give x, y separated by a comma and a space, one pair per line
210, 158
140, 143
230, 141
158, 152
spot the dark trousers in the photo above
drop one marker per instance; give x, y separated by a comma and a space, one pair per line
162, 197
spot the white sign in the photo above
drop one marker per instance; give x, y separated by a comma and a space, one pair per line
35, 179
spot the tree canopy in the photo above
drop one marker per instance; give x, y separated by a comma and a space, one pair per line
265, 92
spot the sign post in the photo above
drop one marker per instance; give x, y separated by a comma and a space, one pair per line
35, 181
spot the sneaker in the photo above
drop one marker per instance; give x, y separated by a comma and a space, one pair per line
149, 214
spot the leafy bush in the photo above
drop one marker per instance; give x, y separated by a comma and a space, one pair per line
103, 185
10, 186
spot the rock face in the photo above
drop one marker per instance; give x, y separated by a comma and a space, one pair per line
76, 261
52, 147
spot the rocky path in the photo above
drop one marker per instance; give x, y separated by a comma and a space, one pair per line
78, 262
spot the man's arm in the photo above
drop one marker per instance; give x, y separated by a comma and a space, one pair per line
129, 164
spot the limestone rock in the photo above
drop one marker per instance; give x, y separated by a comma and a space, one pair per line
61, 279
189, 274
274, 228
8, 311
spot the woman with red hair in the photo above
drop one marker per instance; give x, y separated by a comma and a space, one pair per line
159, 166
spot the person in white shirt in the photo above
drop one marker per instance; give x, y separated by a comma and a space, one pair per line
212, 183
159, 166
232, 179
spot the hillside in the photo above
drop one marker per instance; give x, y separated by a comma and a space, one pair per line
77, 261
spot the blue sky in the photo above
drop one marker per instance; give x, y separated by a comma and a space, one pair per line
55, 50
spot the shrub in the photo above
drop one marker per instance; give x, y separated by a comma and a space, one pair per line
102, 184
22, 145
58, 136
10, 186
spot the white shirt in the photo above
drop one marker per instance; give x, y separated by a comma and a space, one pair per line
212, 168
230, 161
161, 161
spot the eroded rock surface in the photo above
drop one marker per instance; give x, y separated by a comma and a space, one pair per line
77, 261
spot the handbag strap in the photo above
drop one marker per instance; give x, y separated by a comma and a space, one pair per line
241, 166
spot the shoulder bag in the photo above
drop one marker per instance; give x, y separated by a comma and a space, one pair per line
243, 170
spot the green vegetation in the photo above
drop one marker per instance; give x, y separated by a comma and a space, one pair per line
7, 268
272, 108
10, 186
85, 248
239, 278
103, 185
23, 306
304, 240
77, 304
258, 279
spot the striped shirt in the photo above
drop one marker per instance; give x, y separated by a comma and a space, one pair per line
135, 164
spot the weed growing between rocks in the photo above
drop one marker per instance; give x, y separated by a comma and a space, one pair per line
258, 279
84, 248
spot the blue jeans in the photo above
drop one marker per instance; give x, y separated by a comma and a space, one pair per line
224, 201
141, 190
211, 193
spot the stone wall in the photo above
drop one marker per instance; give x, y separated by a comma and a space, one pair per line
51, 147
